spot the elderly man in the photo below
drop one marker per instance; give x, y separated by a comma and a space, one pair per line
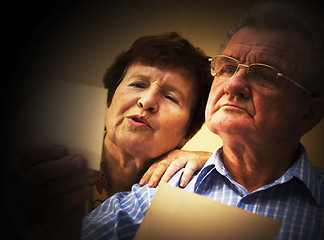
267, 92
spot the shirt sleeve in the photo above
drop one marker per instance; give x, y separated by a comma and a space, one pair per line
119, 216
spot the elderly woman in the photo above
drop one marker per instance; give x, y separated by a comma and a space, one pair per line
157, 94
156, 99
157, 91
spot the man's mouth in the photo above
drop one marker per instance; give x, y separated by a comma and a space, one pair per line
233, 107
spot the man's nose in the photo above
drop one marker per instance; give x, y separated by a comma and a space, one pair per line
238, 85
149, 101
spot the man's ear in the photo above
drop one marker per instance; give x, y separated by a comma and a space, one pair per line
314, 115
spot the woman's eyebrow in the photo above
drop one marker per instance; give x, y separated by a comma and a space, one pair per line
140, 75
170, 88
167, 87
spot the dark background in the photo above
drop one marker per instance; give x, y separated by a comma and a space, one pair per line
77, 40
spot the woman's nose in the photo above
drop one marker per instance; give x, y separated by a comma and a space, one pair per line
149, 101
238, 85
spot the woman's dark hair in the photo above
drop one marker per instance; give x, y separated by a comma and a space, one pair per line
167, 51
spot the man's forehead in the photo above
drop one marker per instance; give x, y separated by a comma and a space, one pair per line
269, 46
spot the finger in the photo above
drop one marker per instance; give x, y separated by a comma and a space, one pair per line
60, 186
43, 173
147, 175
46, 152
188, 172
58, 207
158, 173
174, 167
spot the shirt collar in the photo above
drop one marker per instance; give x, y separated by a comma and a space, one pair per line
301, 169
305, 172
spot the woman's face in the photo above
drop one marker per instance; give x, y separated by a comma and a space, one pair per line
150, 111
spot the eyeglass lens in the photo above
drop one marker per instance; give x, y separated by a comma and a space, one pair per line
224, 68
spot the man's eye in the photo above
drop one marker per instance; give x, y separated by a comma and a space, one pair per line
225, 71
263, 73
230, 70
268, 78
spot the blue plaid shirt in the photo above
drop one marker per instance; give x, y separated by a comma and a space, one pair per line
296, 199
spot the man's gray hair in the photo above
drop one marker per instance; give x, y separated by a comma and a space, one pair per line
281, 16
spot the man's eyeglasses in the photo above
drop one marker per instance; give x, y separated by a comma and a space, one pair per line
225, 67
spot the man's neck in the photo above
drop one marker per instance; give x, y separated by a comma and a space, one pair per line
260, 165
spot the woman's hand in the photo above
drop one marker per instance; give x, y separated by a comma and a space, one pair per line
169, 164
55, 187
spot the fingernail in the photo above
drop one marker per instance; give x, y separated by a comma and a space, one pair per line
59, 152
77, 162
163, 179
182, 184
151, 184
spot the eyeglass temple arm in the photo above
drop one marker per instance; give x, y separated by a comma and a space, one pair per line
296, 84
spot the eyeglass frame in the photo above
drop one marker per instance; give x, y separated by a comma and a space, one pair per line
259, 64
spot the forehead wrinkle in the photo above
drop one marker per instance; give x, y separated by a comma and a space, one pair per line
163, 77
163, 80
270, 56
273, 47
248, 53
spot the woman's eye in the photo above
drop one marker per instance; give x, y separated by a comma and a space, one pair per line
172, 98
138, 85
